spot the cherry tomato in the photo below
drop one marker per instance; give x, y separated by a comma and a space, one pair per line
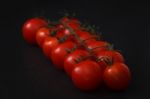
59, 53
108, 55
74, 24
117, 76
97, 46
65, 19
30, 28
71, 22
84, 36
75, 20
87, 75
49, 44
59, 26
62, 32
65, 33
73, 58
41, 34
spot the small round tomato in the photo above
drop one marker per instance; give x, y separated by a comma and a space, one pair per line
74, 24
61, 33
97, 46
87, 75
30, 28
59, 53
59, 26
84, 37
73, 58
49, 44
117, 76
65, 19
110, 56
71, 22
41, 34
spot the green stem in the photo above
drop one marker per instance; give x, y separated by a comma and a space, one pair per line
75, 35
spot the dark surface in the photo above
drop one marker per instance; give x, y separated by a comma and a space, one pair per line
25, 73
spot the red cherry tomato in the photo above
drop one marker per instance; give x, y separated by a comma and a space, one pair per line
65, 20
30, 28
62, 32
49, 44
71, 22
41, 34
72, 58
59, 26
84, 37
87, 75
117, 76
59, 53
97, 46
111, 55
74, 24
65, 33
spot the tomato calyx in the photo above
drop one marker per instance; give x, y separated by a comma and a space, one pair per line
89, 28
82, 58
71, 50
63, 39
110, 46
107, 60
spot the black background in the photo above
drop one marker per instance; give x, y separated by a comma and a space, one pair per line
25, 73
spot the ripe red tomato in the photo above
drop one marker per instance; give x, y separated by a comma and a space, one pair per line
72, 58
74, 24
84, 37
59, 53
108, 55
87, 75
61, 33
64, 20
30, 28
117, 76
71, 22
59, 26
41, 34
49, 44
97, 46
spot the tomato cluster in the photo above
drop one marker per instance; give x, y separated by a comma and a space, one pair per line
88, 61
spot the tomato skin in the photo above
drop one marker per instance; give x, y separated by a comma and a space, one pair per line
59, 53
97, 46
30, 28
117, 76
112, 55
69, 62
84, 36
74, 24
65, 32
41, 34
49, 44
87, 75
65, 20
59, 26
62, 32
